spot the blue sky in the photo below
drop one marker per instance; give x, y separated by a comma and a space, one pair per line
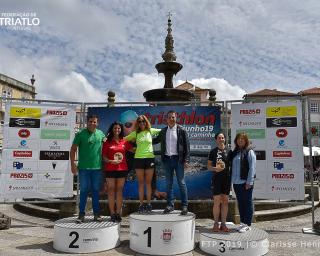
82, 49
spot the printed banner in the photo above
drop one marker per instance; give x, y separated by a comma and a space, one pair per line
278, 146
201, 124
35, 156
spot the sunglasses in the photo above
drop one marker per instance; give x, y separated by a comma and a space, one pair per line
141, 122
128, 124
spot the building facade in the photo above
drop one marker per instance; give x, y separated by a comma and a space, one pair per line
12, 88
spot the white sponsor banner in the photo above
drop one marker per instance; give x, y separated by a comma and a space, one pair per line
20, 176
59, 122
47, 178
52, 165
23, 133
22, 144
52, 145
27, 132
275, 133
20, 165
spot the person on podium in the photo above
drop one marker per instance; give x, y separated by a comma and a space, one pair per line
88, 142
217, 162
115, 167
243, 171
175, 156
144, 159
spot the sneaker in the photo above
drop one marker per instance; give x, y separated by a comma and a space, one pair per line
148, 208
80, 219
224, 228
184, 210
97, 218
244, 229
113, 217
141, 208
167, 210
118, 218
240, 226
216, 227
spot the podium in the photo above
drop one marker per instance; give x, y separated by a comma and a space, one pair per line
251, 243
162, 234
86, 237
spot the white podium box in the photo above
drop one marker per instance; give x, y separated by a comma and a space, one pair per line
86, 237
162, 234
251, 243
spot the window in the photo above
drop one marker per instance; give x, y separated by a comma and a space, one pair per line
314, 107
315, 129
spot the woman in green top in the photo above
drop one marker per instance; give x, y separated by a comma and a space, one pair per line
144, 158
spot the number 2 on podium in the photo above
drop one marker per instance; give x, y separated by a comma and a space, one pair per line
148, 231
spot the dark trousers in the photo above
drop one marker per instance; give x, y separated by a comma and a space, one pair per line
245, 205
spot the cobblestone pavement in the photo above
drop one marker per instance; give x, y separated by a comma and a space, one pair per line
33, 236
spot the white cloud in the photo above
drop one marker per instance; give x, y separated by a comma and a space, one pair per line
224, 90
133, 87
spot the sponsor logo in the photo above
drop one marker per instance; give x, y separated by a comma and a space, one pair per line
260, 154
281, 133
24, 133
282, 153
54, 145
282, 122
278, 166
250, 111
21, 175
17, 165
55, 134
281, 144
249, 123
55, 123
23, 143
54, 155
50, 178
167, 235
25, 112
24, 122
283, 176
20, 188
281, 111
54, 164
56, 112
253, 133
283, 189
22, 153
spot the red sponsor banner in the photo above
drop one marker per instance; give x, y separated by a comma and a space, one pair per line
284, 176
281, 133
282, 153
22, 153
21, 175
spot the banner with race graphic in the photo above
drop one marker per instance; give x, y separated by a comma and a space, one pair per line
275, 133
201, 124
35, 154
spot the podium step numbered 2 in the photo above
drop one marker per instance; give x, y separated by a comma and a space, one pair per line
86, 237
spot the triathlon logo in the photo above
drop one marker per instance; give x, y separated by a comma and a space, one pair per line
19, 20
